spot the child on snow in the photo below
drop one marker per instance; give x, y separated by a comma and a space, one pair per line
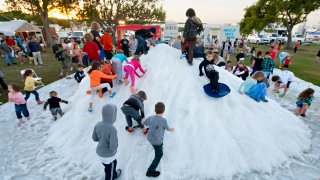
254, 87
241, 71
54, 105
157, 126
117, 61
79, 74
29, 85
208, 60
20, 105
131, 109
108, 70
96, 75
130, 70
106, 135
282, 80
257, 63
305, 99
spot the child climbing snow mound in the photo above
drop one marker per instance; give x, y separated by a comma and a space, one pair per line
54, 105
305, 99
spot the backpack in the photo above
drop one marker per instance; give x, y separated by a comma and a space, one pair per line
58, 55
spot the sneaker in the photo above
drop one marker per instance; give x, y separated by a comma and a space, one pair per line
20, 122
88, 92
283, 95
119, 82
145, 131
264, 100
303, 115
68, 77
153, 173
55, 118
118, 173
39, 102
276, 91
190, 63
129, 129
90, 109
112, 95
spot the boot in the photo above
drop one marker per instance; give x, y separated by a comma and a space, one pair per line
153, 173
100, 93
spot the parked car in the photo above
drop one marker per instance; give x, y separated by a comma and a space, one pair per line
76, 35
276, 36
301, 39
258, 39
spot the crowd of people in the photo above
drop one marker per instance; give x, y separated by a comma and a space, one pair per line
109, 67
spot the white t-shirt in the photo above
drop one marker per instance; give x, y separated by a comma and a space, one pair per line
71, 46
286, 76
107, 160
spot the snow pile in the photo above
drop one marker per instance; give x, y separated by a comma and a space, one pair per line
213, 138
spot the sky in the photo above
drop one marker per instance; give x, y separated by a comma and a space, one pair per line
216, 11
211, 11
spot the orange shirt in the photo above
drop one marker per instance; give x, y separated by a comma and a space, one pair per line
108, 70
96, 76
106, 41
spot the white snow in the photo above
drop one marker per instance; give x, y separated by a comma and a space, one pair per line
230, 137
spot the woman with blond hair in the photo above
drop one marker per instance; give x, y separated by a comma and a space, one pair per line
91, 48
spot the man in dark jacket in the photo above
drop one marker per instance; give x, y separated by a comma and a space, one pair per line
106, 135
131, 110
125, 45
141, 36
192, 28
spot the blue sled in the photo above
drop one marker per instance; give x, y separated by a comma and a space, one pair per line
223, 90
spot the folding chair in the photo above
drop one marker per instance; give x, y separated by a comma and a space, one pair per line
35, 77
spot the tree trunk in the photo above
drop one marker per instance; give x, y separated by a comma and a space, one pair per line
289, 37
45, 21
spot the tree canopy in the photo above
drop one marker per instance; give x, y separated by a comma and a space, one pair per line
286, 13
110, 12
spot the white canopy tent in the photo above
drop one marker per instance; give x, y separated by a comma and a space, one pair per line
10, 28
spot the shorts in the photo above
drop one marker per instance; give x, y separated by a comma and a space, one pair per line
288, 83
66, 65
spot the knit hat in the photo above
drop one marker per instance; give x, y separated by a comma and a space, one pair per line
153, 30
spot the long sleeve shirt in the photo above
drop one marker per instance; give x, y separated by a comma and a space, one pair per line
29, 84
96, 76
16, 97
246, 85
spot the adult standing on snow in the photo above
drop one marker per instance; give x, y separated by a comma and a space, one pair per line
95, 29
192, 28
125, 45
106, 135
141, 36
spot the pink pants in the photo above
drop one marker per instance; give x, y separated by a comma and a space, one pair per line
129, 70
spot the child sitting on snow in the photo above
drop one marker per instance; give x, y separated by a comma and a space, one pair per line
213, 75
207, 61
282, 80
79, 74
96, 75
157, 126
241, 71
259, 90
305, 99
20, 103
54, 105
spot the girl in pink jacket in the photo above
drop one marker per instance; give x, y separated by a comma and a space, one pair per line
130, 70
17, 97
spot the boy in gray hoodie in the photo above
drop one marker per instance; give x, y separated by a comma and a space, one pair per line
157, 125
106, 135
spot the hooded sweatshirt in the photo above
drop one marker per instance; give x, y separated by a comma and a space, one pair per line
105, 133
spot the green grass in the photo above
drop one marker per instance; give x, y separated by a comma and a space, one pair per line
49, 72
303, 65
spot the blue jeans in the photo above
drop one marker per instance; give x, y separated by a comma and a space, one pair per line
266, 74
142, 45
9, 58
258, 91
85, 60
33, 92
21, 108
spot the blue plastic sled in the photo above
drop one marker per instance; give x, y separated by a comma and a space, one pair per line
223, 90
